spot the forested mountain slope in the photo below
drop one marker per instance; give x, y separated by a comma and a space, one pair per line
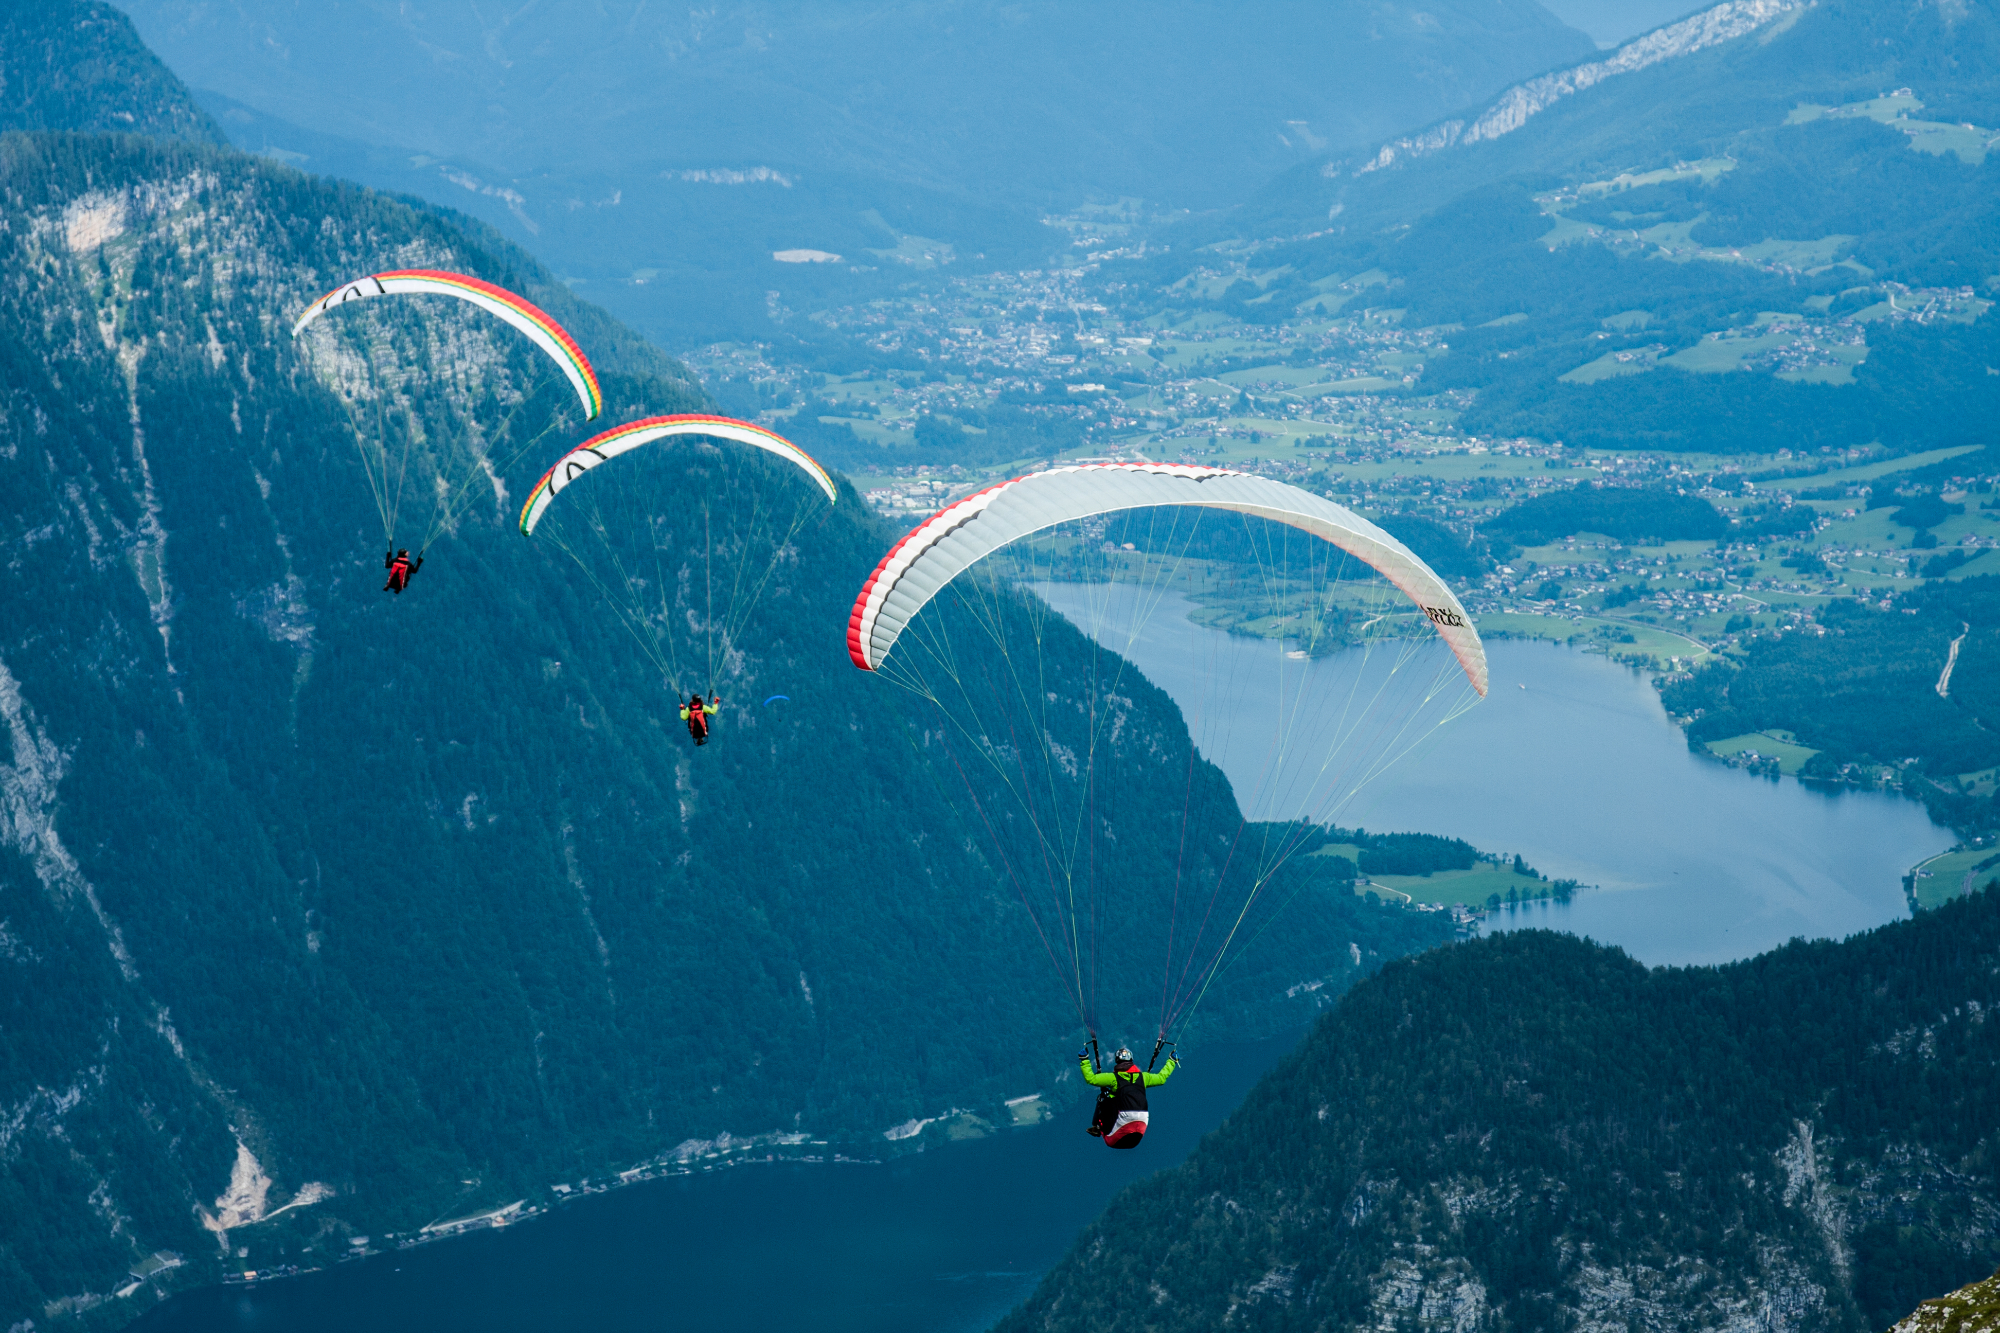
1871, 690
1769, 225
78, 65
350, 912
1533, 1132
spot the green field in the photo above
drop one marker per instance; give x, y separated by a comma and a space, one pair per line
1937, 137
1633, 362
1295, 376
1945, 877
1663, 645
1714, 355
1867, 472
1779, 745
1471, 888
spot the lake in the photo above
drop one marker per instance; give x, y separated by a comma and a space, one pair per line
1570, 761
939, 1242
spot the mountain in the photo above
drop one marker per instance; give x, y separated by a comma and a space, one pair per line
1613, 22
80, 66
1870, 693
1766, 225
651, 150
326, 914
1974, 1308
1188, 105
1531, 1131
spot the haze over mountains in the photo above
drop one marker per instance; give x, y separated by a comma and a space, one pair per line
1765, 224
651, 151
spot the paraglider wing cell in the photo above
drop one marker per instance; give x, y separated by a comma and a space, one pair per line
622, 439
548, 335
958, 536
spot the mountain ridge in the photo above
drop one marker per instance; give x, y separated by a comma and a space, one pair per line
81, 66
1530, 1130
1819, 182
779, 128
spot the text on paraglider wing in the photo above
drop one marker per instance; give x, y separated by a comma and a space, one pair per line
354, 291
1445, 616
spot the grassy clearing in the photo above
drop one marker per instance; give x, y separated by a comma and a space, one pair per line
966, 1126
1715, 356
1665, 647
1612, 364
1982, 783
1779, 745
1867, 472
918, 252
1945, 877
1969, 142
1029, 1110
1797, 254
1275, 374
1364, 384
1471, 888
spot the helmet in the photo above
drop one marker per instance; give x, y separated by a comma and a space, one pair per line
1124, 1053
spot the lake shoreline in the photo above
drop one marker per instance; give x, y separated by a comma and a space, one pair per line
1570, 760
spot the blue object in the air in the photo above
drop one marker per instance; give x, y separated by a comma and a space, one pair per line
774, 698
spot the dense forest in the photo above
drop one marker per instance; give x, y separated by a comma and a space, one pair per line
313, 895
1637, 515
1861, 686
1531, 1131
77, 65
1407, 853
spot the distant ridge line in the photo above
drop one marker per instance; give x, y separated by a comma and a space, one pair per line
1513, 108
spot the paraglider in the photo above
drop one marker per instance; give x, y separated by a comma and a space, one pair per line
957, 536
521, 313
1021, 656
696, 714
1120, 1116
401, 569
603, 448
395, 452
681, 537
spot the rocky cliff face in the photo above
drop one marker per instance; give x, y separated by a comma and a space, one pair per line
1530, 1132
1513, 108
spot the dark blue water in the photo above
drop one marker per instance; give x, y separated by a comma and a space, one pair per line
945, 1241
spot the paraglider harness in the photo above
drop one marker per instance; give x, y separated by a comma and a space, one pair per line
695, 713
401, 569
1104, 1116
